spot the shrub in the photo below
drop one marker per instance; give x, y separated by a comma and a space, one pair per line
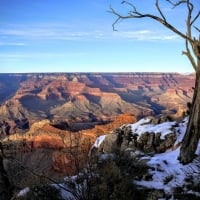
110, 178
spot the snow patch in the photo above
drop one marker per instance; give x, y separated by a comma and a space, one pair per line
144, 125
99, 140
166, 170
23, 192
168, 173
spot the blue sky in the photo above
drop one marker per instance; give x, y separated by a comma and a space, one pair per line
77, 36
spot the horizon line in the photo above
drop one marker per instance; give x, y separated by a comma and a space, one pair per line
131, 72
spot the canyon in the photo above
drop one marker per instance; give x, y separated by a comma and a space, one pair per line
49, 121
76, 101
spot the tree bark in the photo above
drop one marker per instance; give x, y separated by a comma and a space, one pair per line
192, 135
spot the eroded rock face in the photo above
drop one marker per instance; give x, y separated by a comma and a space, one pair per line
61, 162
59, 147
146, 141
167, 143
91, 98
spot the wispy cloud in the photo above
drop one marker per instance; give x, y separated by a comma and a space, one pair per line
52, 32
39, 55
12, 44
48, 34
146, 35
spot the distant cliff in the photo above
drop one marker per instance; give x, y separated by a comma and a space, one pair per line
82, 100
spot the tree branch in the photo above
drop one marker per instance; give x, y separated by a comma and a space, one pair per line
136, 14
192, 43
198, 29
177, 3
159, 10
130, 4
195, 18
188, 22
189, 55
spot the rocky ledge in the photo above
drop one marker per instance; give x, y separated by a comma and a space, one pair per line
157, 144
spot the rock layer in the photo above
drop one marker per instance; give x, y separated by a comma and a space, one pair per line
91, 98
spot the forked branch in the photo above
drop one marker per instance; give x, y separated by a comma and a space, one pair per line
192, 44
134, 13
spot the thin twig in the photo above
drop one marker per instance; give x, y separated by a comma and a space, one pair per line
159, 10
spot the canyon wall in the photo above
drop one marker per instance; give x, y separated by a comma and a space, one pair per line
82, 100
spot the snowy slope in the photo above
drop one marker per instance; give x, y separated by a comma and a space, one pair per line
166, 170
143, 126
167, 173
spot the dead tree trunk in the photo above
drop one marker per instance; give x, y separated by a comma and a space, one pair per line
192, 135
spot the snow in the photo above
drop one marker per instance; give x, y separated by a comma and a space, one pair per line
165, 165
166, 170
198, 150
143, 126
99, 140
168, 173
180, 130
23, 192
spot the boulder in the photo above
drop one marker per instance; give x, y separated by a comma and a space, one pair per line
109, 145
146, 142
167, 143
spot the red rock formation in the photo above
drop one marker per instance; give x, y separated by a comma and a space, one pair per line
64, 144
87, 97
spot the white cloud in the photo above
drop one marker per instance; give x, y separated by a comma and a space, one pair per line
38, 55
63, 32
12, 44
49, 34
146, 35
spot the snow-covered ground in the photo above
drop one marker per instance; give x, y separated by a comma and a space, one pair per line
144, 126
166, 170
168, 174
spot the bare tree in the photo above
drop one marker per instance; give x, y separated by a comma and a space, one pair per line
192, 51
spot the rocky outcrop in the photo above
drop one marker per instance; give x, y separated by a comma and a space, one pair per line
140, 138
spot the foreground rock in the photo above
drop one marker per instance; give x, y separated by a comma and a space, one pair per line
144, 135
157, 145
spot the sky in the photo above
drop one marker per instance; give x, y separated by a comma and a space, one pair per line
77, 36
